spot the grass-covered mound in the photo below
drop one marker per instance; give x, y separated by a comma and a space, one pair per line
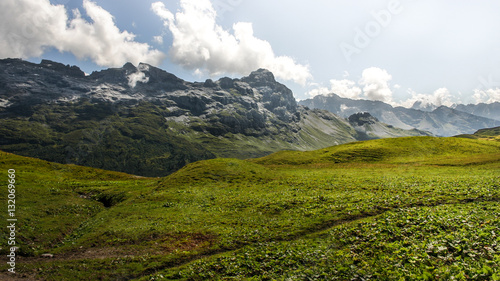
381, 214
484, 134
218, 170
394, 150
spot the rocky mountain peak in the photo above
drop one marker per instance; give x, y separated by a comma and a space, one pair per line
362, 118
74, 71
129, 67
164, 79
277, 97
260, 77
144, 77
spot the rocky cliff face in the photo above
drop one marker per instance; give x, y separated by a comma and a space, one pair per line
146, 121
362, 119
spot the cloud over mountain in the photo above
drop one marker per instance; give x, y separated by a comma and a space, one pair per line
30, 27
376, 84
440, 97
487, 96
344, 88
200, 44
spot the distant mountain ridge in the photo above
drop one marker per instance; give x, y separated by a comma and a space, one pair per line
143, 120
441, 121
491, 111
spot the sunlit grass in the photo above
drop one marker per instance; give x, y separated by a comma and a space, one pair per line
367, 210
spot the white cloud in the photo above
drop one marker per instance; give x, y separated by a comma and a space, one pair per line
487, 96
440, 97
374, 80
29, 27
158, 39
320, 91
200, 43
344, 88
138, 76
376, 84
344, 108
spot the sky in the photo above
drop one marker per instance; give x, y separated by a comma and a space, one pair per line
397, 51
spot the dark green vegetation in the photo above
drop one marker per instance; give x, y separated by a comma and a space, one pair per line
395, 209
134, 139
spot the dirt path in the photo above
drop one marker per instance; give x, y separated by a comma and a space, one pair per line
119, 252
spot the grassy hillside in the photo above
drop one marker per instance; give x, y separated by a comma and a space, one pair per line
485, 134
395, 151
395, 209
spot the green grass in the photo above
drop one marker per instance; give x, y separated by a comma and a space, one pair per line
394, 209
446, 242
394, 150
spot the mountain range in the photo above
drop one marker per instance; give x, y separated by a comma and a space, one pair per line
145, 121
405, 208
441, 121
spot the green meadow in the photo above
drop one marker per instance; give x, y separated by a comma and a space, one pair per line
417, 208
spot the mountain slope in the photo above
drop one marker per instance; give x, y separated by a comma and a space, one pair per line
441, 121
143, 120
369, 127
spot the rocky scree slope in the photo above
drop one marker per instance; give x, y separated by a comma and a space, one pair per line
145, 121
